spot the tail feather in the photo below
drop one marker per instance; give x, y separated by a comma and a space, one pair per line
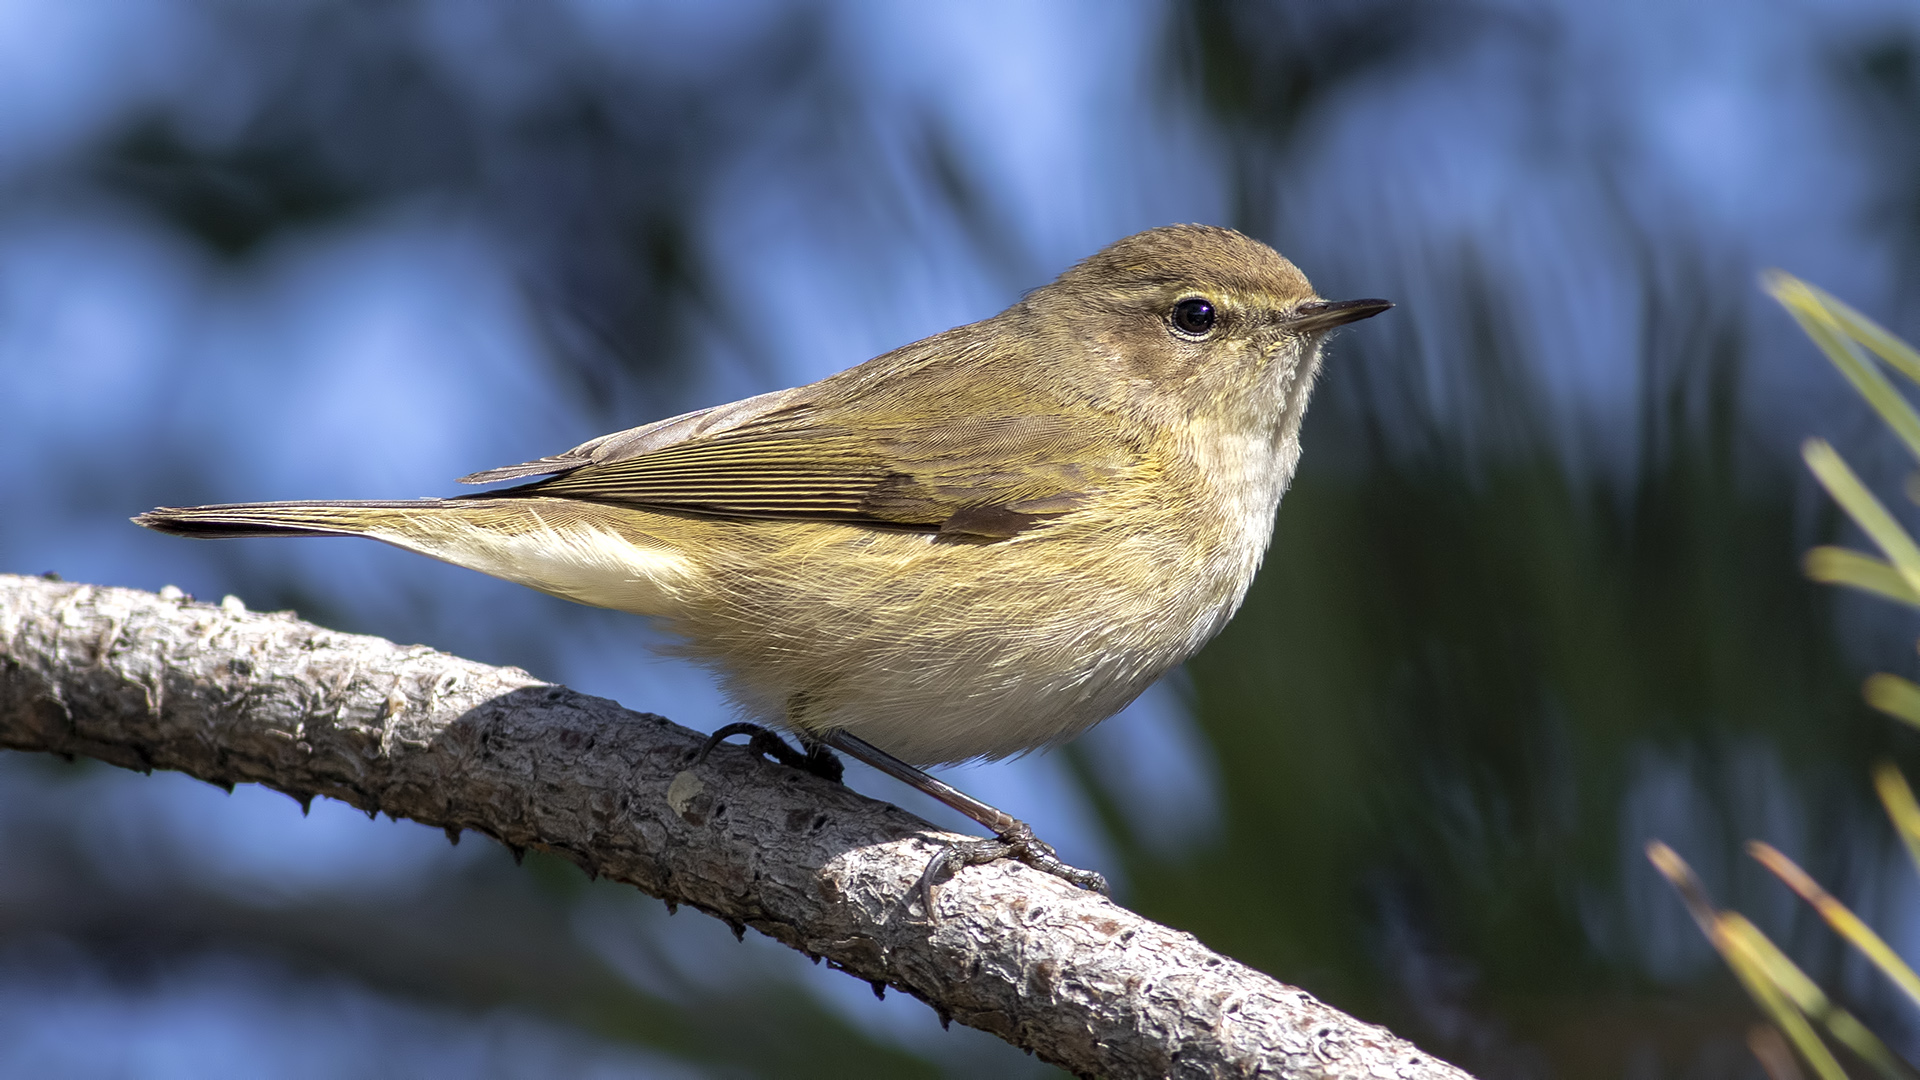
584, 552
317, 518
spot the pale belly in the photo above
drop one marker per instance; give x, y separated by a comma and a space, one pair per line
940, 652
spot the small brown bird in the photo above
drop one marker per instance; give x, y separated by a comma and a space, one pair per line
977, 545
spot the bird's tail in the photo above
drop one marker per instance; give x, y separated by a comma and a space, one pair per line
318, 518
597, 555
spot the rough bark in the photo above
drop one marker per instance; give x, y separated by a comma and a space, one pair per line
152, 681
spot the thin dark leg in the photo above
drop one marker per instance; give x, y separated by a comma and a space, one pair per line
1013, 838
765, 742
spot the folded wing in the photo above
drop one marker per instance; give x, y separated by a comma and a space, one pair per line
783, 455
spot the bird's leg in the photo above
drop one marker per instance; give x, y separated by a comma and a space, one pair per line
816, 758
1013, 838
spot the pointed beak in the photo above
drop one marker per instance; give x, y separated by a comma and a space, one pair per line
1316, 316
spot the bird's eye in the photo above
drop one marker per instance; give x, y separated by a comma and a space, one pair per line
1193, 316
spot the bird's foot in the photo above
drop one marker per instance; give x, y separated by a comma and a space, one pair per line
816, 759
1015, 842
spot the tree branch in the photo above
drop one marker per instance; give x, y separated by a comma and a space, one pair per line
151, 681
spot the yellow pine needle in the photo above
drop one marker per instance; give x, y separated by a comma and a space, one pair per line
1745, 949
1782, 972
1898, 798
1898, 354
1894, 696
1840, 566
1774, 982
1681, 876
1807, 999
1866, 511
1741, 959
1832, 334
1844, 921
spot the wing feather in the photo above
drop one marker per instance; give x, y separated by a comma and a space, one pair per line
918, 464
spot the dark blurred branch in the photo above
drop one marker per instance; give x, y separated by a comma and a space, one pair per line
146, 681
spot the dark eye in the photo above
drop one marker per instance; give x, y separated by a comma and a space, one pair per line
1193, 316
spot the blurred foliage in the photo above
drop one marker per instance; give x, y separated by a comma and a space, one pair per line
1794, 1002
598, 175
1881, 73
231, 197
1262, 73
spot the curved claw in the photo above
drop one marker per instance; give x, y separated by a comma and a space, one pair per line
1016, 842
722, 735
817, 759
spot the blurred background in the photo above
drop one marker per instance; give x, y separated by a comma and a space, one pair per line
1533, 599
